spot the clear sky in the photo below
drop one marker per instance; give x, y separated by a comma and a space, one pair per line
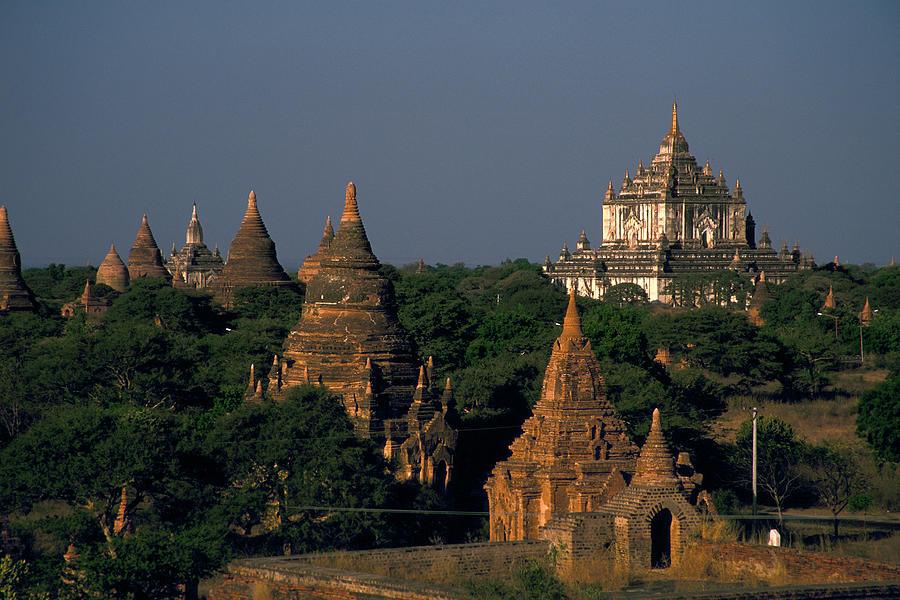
475, 131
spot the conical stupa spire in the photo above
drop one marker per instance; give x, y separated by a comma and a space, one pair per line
145, 259
867, 314
655, 463
252, 259
829, 299
112, 271
674, 128
572, 323
350, 247
194, 230
14, 293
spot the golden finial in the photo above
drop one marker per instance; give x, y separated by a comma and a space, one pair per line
674, 129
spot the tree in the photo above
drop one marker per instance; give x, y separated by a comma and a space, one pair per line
625, 293
878, 420
836, 477
779, 455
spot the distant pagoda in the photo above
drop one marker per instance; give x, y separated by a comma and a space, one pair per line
252, 260
350, 340
145, 259
195, 265
14, 294
670, 221
112, 271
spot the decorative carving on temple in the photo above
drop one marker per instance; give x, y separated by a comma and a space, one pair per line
14, 294
573, 454
145, 259
252, 260
195, 266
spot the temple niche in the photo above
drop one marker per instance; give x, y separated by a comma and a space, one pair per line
14, 294
672, 219
350, 340
195, 266
252, 260
574, 477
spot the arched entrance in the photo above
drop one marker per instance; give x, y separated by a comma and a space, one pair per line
439, 477
661, 540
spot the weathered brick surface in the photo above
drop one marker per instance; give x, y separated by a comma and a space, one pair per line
14, 294
407, 573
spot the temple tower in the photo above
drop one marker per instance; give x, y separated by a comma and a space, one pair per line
14, 294
145, 259
252, 260
112, 271
195, 265
349, 335
573, 454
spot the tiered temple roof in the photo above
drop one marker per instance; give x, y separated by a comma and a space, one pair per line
112, 271
14, 294
310, 266
145, 259
252, 260
573, 453
673, 220
195, 265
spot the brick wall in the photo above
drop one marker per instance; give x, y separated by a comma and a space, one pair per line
418, 572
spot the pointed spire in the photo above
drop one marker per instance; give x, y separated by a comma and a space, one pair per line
112, 271
194, 230
351, 210
655, 464
572, 323
640, 169
829, 300
145, 259
706, 169
610, 193
674, 128
368, 363
836, 262
421, 383
892, 262
867, 314
583, 242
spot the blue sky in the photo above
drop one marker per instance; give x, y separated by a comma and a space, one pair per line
475, 131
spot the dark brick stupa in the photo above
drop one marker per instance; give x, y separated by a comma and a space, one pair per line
112, 271
350, 340
252, 260
145, 259
14, 294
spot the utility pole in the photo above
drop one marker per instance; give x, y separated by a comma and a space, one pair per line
754, 460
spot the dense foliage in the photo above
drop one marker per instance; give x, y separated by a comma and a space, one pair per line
150, 400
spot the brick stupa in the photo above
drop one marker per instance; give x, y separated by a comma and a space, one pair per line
350, 340
761, 295
252, 260
573, 454
14, 294
112, 271
349, 334
310, 266
145, 259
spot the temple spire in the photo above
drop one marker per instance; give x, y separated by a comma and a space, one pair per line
674, 129
572, 323
351, 210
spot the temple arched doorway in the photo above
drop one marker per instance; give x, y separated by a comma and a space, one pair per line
661, 540
439, 476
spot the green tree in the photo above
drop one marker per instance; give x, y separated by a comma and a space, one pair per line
835, 477
878, 420
779, 457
